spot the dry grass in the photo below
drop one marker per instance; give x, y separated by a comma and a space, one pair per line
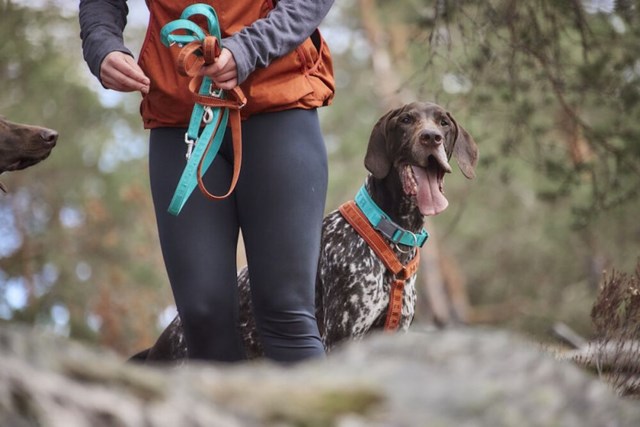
616, 319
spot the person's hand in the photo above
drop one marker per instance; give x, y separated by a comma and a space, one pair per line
120, 72
223, 72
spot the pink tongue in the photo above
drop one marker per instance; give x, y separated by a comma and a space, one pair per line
431, 201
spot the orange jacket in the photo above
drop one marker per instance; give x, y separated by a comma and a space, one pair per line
302, 78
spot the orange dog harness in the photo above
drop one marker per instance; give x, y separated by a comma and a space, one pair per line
359, 221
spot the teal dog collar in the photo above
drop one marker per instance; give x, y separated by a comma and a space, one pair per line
381, 222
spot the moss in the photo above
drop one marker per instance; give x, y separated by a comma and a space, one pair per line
322, 408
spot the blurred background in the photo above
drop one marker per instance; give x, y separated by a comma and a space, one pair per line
549, 90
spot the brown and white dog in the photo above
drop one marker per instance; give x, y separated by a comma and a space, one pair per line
408, 156
22, 146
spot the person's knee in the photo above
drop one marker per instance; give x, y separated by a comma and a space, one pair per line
208, 313
210, 329
285, 316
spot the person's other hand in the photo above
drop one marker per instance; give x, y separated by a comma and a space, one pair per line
223, 72
120, 72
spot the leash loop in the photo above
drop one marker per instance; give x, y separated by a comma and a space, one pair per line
213, 108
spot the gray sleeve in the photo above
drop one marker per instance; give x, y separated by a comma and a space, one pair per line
102, 23
284, 29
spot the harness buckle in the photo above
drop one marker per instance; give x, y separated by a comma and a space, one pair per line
387, 228
396, 234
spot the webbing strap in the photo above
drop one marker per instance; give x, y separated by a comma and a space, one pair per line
358, 220
381, 222
213, 108
394, 313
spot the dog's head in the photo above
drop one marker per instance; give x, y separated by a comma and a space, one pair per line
417, 141
22, 146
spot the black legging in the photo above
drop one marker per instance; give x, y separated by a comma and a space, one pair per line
278, 203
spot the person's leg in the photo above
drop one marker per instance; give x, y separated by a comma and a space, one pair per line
281, 196
199, 250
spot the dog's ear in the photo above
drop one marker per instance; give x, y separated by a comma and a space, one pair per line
377, 158
465, 150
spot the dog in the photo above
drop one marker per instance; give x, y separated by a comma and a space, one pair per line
22, 145
407, 157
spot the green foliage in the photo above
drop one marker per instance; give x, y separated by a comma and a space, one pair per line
86, 240
550, 94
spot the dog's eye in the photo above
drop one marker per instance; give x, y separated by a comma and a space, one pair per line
444, 122
406, 119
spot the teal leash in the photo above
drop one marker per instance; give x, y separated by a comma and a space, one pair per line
383, 223
210, 119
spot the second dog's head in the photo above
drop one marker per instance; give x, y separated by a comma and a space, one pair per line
22, 146
417, 141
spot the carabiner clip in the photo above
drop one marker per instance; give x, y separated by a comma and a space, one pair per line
190, 143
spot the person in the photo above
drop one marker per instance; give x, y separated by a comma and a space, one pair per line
284, 68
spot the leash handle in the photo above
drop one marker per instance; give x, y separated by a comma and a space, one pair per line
212, 108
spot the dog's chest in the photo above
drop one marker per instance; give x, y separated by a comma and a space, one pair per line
355, 282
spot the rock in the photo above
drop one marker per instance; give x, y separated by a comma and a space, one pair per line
470, 377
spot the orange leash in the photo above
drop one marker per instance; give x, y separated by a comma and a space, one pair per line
191, 58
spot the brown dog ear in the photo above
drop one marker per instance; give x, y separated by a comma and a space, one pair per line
465, 150
377, 158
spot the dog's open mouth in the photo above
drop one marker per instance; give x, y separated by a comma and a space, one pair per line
426, 184
24, 163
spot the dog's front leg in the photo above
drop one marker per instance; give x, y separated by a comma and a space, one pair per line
351, 309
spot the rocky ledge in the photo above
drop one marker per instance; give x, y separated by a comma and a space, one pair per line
470, 377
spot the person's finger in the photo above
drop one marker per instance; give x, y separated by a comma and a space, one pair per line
225, 63
224, 76
119, 71
209, 70
133, 71
120, 82
228, 84
212, 70
225, 60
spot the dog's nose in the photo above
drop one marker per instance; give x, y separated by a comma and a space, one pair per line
49, 136
431, 137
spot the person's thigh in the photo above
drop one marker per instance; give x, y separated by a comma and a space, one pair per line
281, 197
199, 249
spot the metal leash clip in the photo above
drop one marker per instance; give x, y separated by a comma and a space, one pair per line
190, 143
207, 116
214, 91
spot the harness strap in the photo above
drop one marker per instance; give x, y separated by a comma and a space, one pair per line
213, 108
402, 273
